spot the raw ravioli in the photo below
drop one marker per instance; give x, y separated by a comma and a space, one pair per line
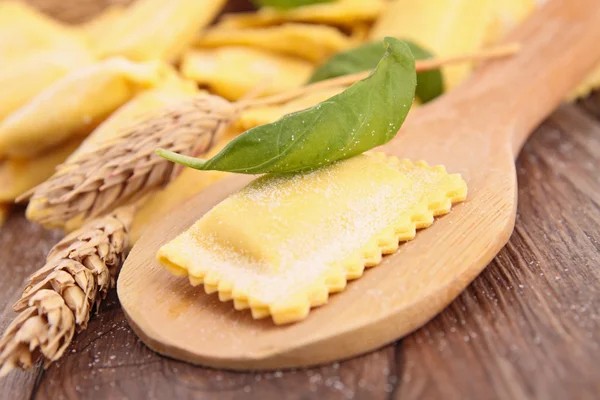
19, 175
157, 29
96, 29
307, 41
284, 242
173, 90
75, 104
24, 29
35, 52
24, 78
233, 71
346, 13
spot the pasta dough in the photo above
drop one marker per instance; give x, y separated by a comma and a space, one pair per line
156, 29
23, 30
19, 175
284, 242
74, 105
311, 42
347, 13
234, 71
24, 78
35, 52
171, 91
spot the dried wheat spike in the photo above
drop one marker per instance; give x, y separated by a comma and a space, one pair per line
122, 169
78, 273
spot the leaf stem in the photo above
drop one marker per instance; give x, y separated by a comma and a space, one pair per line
421, 65
193, 162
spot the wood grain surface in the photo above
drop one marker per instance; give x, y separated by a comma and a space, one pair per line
527, 327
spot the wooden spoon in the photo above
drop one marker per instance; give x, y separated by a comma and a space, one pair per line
476, 130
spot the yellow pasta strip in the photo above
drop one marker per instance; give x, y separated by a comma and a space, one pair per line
283, 243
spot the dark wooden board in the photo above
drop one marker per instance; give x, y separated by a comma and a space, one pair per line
528, 327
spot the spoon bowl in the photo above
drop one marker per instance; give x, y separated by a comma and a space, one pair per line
476, 130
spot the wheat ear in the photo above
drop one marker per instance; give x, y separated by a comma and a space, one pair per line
123, 169
77, 275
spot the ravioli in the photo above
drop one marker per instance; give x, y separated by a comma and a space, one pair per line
345, 13
156, 29
234, 71
35, 52
174, 89
284, 242
75, 104
18, 175
24, 78
95, 29
308, 41
24, 29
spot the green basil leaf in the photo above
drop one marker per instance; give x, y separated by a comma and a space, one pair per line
366, 115
287, 4
430, 84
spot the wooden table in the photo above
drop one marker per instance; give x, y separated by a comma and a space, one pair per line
528, 327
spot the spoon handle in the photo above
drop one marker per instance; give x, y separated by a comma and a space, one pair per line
560, 45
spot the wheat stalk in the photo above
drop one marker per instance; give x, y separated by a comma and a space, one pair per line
123, 169
492, 53
77, 275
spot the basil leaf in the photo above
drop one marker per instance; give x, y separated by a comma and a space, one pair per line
287, 4
366, 115
430, 84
